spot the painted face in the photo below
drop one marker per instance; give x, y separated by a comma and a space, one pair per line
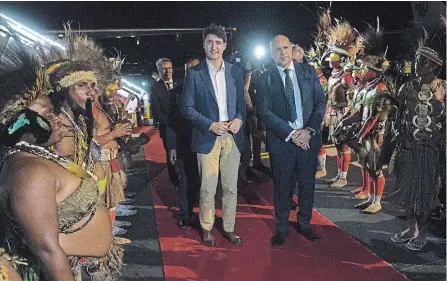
424, 67
335, 60
166, 71
368, 74
214, 47
82, 91
281, 51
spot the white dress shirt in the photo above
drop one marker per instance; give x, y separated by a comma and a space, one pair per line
171, 85
298, 124
220, 89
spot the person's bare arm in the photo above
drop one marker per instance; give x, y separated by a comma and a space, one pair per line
33, 200
118, 131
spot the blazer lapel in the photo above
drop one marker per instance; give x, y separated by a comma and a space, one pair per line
277, 80
207, 79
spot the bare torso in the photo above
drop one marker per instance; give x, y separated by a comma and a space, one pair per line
92, 240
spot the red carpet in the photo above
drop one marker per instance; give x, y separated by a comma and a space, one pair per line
337, 257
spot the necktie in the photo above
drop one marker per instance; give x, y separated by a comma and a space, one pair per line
169, 85
290, 97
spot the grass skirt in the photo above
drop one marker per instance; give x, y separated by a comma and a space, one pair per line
116, 182
417, 179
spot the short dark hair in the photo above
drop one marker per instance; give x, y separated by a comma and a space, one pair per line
190, 59
217, 30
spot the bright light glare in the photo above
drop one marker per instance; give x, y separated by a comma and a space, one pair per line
144, 83
132, 85
31, 34
131, 91
259, 52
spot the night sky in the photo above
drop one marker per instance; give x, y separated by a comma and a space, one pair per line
256, 22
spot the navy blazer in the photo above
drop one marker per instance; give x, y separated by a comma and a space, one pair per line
199, 104
272, 108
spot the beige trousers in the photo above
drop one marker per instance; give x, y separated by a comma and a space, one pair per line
223, 158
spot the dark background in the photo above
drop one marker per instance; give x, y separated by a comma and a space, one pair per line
256, 23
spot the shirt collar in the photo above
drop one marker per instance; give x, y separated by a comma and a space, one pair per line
170, 80
281, 69
211, 67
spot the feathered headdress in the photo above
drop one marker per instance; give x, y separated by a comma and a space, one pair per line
342, 39
374, 53
82, 60
323, 27
22, 80
416, 40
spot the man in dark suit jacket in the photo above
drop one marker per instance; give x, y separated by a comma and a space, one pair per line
291, 104
178, 140
159, 105
213, 101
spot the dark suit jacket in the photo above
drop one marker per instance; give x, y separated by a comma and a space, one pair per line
271, 102
199, 104
159, 104
178, 130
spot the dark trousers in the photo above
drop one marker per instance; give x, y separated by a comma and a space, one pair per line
173, 175
189, 180
299, 166
252, 145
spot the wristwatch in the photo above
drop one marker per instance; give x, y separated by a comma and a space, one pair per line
311, 131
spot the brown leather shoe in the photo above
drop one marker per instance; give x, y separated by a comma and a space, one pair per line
233, 238
208, 238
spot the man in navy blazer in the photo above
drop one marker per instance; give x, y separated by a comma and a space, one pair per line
291, 105
213, 101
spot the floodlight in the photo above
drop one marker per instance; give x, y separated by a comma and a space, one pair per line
259, 52
29, 35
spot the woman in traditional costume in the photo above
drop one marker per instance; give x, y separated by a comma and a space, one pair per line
60, 229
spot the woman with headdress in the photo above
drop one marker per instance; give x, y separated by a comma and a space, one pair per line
78, 76
59, 227
420, 124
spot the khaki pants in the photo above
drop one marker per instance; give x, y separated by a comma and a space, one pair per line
223, 158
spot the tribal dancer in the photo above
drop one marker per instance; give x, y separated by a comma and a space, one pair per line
420, 126
364, 129
59, 227
76, 77
362, 192
108, 133
341, 47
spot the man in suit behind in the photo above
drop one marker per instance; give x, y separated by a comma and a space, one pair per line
213, 101
291, 104
178, 136
159, 104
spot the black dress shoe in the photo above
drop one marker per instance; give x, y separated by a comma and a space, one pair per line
233, 238
278, 240
308, 234
184, 223
208, 238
